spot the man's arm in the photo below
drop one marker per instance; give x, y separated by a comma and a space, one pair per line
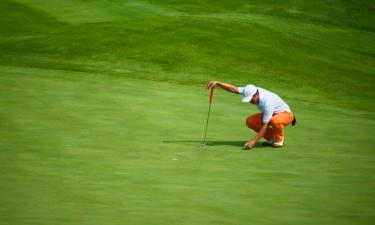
225, 86
260, 134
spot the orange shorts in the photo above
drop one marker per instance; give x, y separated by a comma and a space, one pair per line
275, 126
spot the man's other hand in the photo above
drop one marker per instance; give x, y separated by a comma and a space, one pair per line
250, 144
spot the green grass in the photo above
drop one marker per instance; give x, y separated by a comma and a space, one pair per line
103, 105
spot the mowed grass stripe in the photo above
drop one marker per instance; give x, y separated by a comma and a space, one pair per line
13, 20
132, 52
233, 46
80, 12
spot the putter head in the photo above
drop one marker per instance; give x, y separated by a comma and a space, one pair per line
202, 144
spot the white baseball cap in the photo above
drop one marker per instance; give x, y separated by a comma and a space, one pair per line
248, 92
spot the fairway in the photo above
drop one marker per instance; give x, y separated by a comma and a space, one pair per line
103, 106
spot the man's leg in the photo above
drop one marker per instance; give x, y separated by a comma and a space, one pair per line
255, 122
278, 122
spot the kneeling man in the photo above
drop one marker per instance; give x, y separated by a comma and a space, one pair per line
275, 113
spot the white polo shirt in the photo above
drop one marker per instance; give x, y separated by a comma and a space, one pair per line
269, 103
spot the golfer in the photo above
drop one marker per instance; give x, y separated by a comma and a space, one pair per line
275, 113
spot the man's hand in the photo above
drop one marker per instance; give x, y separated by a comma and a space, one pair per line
261, 132
225, 86
250, 144
212, 84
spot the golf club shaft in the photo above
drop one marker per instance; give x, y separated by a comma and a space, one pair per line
208, 115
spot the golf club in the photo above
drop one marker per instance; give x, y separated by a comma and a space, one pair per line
208, 116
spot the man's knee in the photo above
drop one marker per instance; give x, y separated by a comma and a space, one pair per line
277, 124
251, 123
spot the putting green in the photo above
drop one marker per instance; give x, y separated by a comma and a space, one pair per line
99, 149
103, 106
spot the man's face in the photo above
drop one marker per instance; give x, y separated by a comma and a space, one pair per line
255, 99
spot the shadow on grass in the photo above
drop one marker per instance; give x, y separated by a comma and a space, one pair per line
217, 143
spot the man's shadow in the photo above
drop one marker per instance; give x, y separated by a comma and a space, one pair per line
220, 143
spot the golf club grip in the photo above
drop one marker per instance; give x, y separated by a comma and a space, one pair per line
211, 95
